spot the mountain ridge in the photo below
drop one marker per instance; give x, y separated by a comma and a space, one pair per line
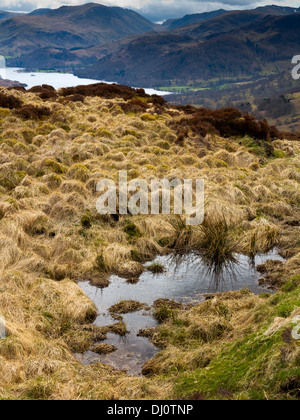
163, 59
69, 27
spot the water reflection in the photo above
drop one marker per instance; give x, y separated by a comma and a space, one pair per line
186, 279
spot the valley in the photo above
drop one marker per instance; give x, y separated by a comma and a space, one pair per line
211, 59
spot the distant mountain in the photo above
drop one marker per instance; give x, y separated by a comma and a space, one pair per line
7, 15
69, 27
193, 55
204, 17
46, 58
39, 12
221, 24
191, 19
49, 58
278, 10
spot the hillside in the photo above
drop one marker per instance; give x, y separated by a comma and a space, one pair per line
182, 57
54, 148
278, 10
44, 58
177, 55
8, 15
272, 97
69, 27
219, 25
39, 12
191, 19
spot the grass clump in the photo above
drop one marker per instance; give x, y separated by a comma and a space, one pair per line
103, 349
260, 362
54, 166
218, 243
126, 306
86, 221
132, 230
182, 239
101, 264
136, 255
156, 268
164, 309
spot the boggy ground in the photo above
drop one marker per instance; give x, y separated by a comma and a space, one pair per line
54, 148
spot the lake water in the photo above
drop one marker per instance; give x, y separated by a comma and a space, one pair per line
57, 80
185, 280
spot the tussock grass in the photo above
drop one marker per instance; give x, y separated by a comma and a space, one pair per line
103, 349
156, 268
52, 154
219, 243
232, 332
126, 306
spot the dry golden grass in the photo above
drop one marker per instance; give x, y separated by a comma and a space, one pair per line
51, 235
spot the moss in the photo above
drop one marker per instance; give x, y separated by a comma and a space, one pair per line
21, 148
53, 180
164, 309
28, 135
279, 154
86, 221
103, 132
4, 112
131, 133
136, 255
163, 313
132, 230
254, 366
148, 117
54, 166
163, 145
291, 284
79, 172
221, 164
164, 242
11, 180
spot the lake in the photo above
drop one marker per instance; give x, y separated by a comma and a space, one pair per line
57, 80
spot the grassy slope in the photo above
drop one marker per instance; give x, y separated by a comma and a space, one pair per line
51, 236
247, 351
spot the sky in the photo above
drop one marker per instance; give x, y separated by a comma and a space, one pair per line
156, 10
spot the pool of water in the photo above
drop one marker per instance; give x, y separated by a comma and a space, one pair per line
57, 80
186, 279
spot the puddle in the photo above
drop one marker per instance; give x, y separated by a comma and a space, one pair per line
185, 280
